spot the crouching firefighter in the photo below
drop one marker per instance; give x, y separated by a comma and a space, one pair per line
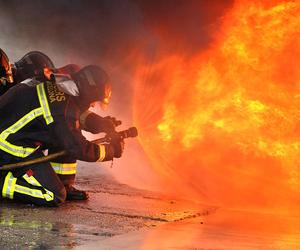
43, 116
39, 66
33, 64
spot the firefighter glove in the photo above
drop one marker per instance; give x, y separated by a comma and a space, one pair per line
113, 120
96, 124
118, 145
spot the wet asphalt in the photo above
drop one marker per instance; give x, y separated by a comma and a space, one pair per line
118, 216
113, 209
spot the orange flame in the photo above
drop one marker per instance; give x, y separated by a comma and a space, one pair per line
223, 126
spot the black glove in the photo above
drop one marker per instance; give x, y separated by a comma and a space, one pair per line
107, 125
118, 145
113, 120
96, 124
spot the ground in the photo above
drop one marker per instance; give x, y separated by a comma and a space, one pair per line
118, 216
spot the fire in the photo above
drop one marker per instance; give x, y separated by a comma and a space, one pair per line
223, 126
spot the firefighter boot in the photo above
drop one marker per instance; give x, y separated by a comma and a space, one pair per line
74, 194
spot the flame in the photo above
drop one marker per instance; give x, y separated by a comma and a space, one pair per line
47, 72
223, 126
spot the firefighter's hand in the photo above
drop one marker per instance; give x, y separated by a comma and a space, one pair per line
113, 120
95, 124
118, 145
107, 125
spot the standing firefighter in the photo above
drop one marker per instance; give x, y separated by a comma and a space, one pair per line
37, 65
46, 116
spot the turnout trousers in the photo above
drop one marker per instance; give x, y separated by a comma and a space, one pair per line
36, 184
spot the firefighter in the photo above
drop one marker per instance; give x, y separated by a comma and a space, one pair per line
66, 166
6, 78
30, 65
38, 65
38, 116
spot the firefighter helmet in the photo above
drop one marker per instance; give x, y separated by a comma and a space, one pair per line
5, 68
68, 69
93, 84
32, 65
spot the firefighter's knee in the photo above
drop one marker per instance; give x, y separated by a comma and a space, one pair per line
60, 197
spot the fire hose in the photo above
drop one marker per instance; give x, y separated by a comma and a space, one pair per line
128, 133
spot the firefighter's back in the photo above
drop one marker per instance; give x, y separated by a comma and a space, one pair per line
21, 117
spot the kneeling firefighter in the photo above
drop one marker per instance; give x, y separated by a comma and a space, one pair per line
37, 65
46, 116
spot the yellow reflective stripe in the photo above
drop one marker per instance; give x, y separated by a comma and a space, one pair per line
18, 151
21, 122
9, 186
31, 180
29, 191
64, 168
44, 103
44, 110
101, 152
48, 196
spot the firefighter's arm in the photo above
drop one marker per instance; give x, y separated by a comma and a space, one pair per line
95, 124
78, 147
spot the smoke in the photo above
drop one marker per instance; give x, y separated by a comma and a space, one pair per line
118, 35
183, 26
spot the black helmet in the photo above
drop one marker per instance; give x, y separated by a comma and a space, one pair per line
5, 68
32, 65
93, 84
68, 69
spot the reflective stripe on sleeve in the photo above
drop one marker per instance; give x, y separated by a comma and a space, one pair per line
21, 122
18, 151
9, 186
102, 152
44, 103
64, 168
